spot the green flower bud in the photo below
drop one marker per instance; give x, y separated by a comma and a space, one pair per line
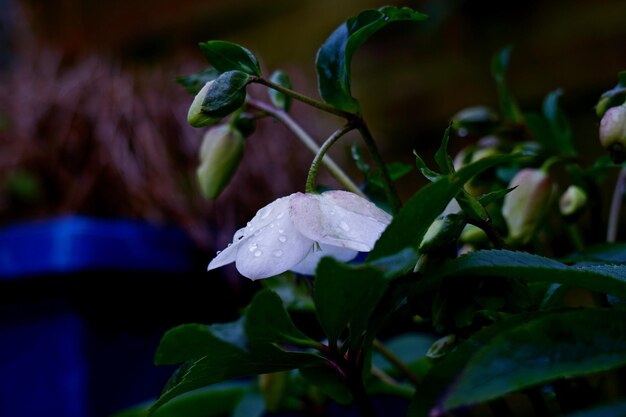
443, 232
613, 133
572, 202
220, 153
218, 98
525, 206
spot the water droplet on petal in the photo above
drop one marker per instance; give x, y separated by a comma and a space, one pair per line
280, 215
258, 253
283, 239
252, 247
272, 225
218, 252
344, 226
281, 231
278, 253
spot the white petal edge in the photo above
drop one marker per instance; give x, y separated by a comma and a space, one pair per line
308, 265
276, 209
272, 249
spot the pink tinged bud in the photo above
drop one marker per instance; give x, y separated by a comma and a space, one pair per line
613, 133
220, 153
524, 207
572, 202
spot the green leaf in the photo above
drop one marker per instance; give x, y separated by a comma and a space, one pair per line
409, 226
213, 401
602, 252
428, 173
280, 100
191, 341
334, 57
493, 196
614, 410
609, 279
508, 104
559, 125
522, 352
194, 82
329, 382
251, 405
267, 322
294, 293
444, 162
228, 56
221, 352
345, 296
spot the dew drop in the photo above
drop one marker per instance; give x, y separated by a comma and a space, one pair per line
283, 239
252, 247
280, 216
278, 253
281, 231
344, 226
272, 225
258, 253
218, 252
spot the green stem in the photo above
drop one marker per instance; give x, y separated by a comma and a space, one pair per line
304, 99
616, 205
396, 362
308, 141
491, 232
319, 157
389, 188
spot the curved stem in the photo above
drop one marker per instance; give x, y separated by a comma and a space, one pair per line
389, 188
616, 205
319, 157
304, 99
308, 141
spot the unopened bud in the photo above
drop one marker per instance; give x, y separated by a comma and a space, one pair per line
525, 206
195, 116
443, 232
220, 153
218, 98
572, 202
613, 133
474, 120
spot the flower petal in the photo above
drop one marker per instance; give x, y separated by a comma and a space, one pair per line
264, 216
338, 218
272, 249
308, 265
229, 254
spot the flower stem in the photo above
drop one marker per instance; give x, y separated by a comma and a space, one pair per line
319, 157
396, 362
616, 205
389, 188
304, 99
306, 139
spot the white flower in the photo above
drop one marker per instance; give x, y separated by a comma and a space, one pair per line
295, 232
